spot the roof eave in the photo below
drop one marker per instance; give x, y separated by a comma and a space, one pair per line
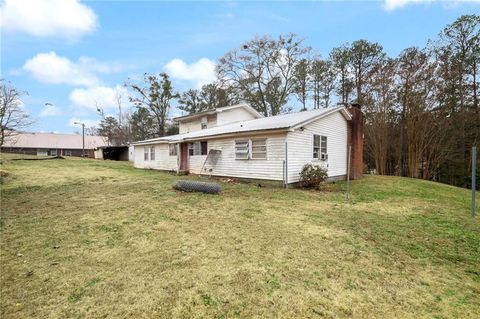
342, 109
222, 135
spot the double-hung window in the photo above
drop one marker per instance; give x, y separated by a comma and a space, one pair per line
251, 149
172, 150
198, 148
259, 149
145, 153
319, 146
152, 153
203, 148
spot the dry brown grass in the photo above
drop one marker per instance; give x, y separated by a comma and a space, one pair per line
87, 239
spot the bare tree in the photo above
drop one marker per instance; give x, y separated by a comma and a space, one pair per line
210, 96
155, 95
380, 114
262, 71
12, 115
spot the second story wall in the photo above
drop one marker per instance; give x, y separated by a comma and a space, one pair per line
195, 124
234, 115
217, 117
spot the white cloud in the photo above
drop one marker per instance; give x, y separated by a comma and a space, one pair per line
198, 73
51, 68
87, 122
390, 5
44, 18
278, 17
98, 96
50, 110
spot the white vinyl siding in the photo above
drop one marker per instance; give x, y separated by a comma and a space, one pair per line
234, 115
162, 161
264, 154
334, 127
228, 165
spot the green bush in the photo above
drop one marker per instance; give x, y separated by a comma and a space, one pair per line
313, 176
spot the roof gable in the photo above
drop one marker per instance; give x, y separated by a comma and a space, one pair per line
244, 106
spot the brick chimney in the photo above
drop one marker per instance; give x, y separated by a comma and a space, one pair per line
355, 139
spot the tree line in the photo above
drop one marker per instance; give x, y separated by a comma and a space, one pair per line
421, 107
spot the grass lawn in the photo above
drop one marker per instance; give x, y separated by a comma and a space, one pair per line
87, 239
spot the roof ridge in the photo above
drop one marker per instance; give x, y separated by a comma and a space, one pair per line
278, 122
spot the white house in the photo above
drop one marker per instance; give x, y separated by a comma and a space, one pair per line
237, 141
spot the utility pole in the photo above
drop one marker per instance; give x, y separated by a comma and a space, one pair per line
83, 137
474, 178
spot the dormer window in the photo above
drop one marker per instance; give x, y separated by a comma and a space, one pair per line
204, 122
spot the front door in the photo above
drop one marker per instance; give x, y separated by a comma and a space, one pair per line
184, 156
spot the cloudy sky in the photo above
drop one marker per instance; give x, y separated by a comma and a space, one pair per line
74, 55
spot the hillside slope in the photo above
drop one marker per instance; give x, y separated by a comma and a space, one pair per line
86, 238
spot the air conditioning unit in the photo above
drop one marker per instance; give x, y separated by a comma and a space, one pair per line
323, 156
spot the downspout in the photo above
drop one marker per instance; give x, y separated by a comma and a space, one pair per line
286, 165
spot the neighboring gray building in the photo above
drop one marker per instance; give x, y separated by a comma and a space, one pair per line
51, 144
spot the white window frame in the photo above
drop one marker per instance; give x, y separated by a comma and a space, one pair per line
172, 149
197, 148
146, 153
245, 149
53, 152
256, 148
321, 147
242, 149
206, 143
68, 153
152, 153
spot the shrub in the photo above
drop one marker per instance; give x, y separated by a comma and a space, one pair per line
313, 176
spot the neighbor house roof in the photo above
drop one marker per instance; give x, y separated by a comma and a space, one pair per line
245, 106
54, 141
278, 122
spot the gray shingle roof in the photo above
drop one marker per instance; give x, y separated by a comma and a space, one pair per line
54, 141
278, 122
